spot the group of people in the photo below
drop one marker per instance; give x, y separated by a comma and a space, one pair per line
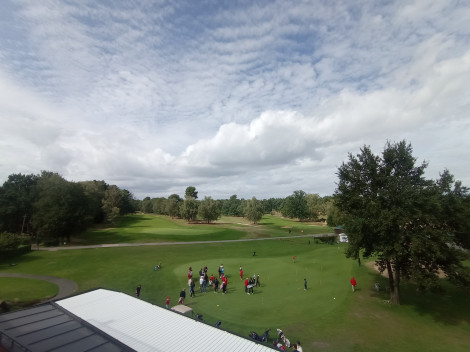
205, 281
251, 283
296, 347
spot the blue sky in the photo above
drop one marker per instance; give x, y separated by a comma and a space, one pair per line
254, 98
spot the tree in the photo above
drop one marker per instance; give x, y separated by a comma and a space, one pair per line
146, 205
189, 209
254, 210
209, 210
173, 205
393, 212
61, 208
230, 206
111, 203
190, 192
295, 206
94, 191
17, 196
314, 206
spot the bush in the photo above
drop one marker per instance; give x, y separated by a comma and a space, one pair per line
12, 244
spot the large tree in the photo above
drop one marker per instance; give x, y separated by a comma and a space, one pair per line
209, 210
253, 210
190, 192
189, 209
295, 206
393, 212
61, 208
17, 196
173, 205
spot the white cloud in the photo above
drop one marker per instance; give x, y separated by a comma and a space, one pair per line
260, 99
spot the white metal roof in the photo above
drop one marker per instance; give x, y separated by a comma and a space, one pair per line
145, 327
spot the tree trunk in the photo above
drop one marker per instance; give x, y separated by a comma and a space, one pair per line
394, 283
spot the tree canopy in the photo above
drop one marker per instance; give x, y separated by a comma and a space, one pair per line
254, 210
412, 224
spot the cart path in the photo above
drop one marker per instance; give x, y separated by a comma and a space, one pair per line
66, 287
111, 245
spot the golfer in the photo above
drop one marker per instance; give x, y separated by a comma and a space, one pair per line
353, 284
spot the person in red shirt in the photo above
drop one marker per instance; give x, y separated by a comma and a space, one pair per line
167, 303
241, 273
211, 282
353, 284
224, 284
246, 285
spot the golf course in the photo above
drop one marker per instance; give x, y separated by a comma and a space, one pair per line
327, 316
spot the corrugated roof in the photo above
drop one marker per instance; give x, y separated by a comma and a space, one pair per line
50, 328
146, 327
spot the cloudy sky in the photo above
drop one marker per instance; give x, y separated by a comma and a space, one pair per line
254, 98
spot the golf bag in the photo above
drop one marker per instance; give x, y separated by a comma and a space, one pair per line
283, 338
262, 338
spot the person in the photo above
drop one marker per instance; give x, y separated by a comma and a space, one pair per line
216, 285
293, 259
182, 296
200, 272
305, 284
211, 282
224, 284
377, 286
251, 283
158, 266
241, 273
258, 283
167, 303
201, 282
246, 285
294, 348
220, 270
137, 291
191, 288
204, 282
190, 273
353, 284
205, 269
299, 347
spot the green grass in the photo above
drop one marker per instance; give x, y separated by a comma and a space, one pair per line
359, 321
21, 292
147, 228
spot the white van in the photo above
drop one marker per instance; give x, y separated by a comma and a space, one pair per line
343, 238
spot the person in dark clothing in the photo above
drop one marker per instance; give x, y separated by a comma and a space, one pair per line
305, 284
137, 291
182, 296
216, 285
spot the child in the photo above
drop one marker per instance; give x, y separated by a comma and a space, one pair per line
167, 303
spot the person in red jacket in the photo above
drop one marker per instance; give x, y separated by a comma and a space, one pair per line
246, 285
241, 273
353, 284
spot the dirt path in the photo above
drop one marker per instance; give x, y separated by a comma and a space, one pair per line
66, 287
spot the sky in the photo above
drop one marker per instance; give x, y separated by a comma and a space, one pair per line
253, 98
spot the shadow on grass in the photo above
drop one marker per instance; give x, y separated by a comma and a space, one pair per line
451, 306
15, 262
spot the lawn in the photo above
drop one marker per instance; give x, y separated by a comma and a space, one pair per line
327, 317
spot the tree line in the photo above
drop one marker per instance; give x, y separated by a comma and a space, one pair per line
299, 205
52, 209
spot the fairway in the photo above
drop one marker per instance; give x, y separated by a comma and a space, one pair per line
328, 316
